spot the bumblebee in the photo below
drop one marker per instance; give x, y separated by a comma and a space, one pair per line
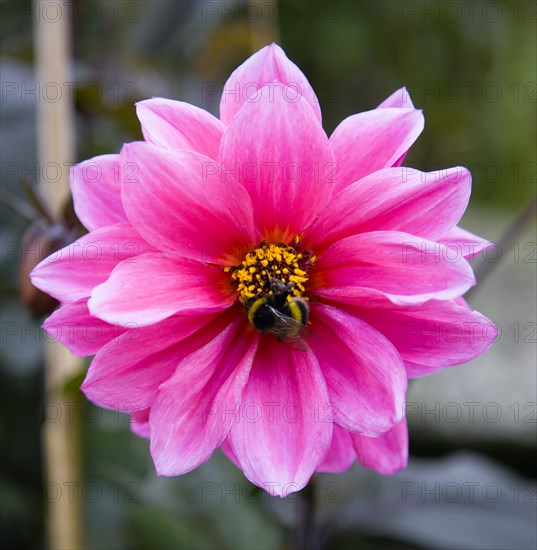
275, 314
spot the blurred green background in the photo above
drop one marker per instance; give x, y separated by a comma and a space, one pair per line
471, 66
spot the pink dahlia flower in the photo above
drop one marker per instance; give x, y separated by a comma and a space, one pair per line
214, 242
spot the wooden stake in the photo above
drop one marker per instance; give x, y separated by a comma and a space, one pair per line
56, 150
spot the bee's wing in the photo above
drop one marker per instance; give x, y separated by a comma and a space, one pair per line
288, 330
285, 324
296, 342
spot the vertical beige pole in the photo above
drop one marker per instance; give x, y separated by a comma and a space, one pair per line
56, 145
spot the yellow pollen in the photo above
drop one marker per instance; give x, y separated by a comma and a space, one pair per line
271, 260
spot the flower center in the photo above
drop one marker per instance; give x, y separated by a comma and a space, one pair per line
255, 275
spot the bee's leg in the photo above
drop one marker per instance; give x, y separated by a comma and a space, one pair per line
277, 286
280, 292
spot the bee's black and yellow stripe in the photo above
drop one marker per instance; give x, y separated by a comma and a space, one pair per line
263, 318
253, 309
298, 310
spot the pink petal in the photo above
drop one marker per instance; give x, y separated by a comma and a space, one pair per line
462, 302
156, 286
397, 199
77, 330
127, 372
140, 423
386, 454
279, 152
404, 268
178, 125
370, 141
181, 201
96, 188
415, 370
437, 333
270, 64
193, 409
280, 438
341, 455
464, 243
72, 272
226, 449
399, 99
365, 376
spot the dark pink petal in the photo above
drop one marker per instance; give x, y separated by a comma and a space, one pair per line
399, 99
78, 331
193, 409
464, 243
270, 64
279, 152
96, 189
127, 372
152, 287
404, 268
181, 201
436, 334
364, 373
386, 454
72, 272
396, 199
341, 455
282, 436
140, 423
178, 125
370, 141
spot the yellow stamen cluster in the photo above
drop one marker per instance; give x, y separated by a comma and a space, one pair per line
269, 260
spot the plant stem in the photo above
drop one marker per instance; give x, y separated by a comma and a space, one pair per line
517, 227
